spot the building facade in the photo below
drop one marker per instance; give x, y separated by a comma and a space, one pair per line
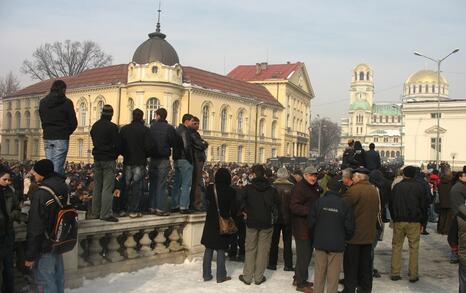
243, 121
370, 122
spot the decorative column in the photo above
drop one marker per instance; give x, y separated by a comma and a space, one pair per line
174, 240
95, 249
130, 246
113, 255
160, 241
145, 243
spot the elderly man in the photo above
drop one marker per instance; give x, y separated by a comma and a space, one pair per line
363, 198
347, 179
306, 193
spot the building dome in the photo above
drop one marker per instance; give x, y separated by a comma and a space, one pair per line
362, 73
425, 76
156, 48
360, 105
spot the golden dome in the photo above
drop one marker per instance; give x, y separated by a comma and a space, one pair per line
425, 76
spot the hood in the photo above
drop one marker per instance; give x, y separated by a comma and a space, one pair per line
53, 100
330, 192
260, 184
57, 183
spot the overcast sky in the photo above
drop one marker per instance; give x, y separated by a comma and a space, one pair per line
330, 37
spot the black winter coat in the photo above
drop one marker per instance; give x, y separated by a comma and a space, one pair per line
164, 137
348, 158
137, 143
57, 116
9, 212
331, 223
211, 237
43, 216
372, 160
184, 147
199, 146
259, 198
106, 140
408, 202
359, 159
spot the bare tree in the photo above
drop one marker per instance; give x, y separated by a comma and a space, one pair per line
65, 59
9, 84
330, 132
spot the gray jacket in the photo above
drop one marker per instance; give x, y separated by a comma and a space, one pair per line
457, 196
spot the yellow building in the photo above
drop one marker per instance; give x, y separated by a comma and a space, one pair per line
245, 118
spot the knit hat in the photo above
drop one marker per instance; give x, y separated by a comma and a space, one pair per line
107, 110
409, 171
4, 169
282, 173
43, 168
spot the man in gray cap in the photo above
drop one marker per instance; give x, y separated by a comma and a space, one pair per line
107, 144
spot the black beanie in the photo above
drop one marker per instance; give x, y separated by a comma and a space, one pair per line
409, 171
44, 168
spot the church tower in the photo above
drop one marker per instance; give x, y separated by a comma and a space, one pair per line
361, 100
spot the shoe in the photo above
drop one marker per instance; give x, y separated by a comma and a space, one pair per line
308, 284
110, 219
241, 278
175, 210
224, 280
91, 217
395, 278
161, 213
272, 268
288, 269
152, 211
122, 214
306, 289
261, 281
133, 215
425, 232
375, 273
341, 281
139, 215
185, 211
208, 278
414, 280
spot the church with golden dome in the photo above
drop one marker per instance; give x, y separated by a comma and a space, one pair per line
255, 112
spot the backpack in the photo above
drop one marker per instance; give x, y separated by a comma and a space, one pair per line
64, 234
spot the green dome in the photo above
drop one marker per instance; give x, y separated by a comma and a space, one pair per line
360, 105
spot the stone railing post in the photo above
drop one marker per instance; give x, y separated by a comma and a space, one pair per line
192, 234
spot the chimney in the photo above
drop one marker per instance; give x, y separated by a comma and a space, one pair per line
263, 66
258, 68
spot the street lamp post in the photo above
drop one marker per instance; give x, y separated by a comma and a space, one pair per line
437, 142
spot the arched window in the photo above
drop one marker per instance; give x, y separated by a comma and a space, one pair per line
240, 154
98, 110
223, 120
7, 147
175, 112
27, 117
205, 117
16, 149
361, 75
274, 129
223, 152
427, 89
367, 76
261, 128
382, 153
18, 120
8, 120
82, 114
36, 119
392, 154
130, 109
420, 88
240, 122
152, 105
398, 154
414, 89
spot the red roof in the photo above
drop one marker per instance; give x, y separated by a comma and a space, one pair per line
210, 80
98, 76
270, 72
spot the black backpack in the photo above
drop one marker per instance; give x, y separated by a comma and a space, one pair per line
64, 234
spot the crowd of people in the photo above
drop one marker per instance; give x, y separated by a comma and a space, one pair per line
334, 214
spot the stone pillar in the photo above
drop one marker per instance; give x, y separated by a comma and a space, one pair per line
192, 233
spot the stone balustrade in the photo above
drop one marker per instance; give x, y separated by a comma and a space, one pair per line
129, 245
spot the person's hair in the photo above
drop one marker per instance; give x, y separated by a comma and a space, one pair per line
357, 145
348, 172
58, 87
195, 119
362, 176
298, 172
138, 115
371, 146
222, 177
162, 113
186, 116
259, 171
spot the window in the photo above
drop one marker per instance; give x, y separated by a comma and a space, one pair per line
433, 143
398, 154
420, 88
80, 148
8, 120
261, 128
18, 104
205, 117
223, 120
261, 155
130, 109
16, 149
35, 147
376, 139
398, 119
223, 152
274, 129
414, 89
240, 122
434, 115
386, 119
393, 119
9, 105
155, 69
367, 75
392, 154
240, 154
427, 88
36, 119
175, 112
433, 88
382, 154
82, 114
274, 153
27, 116
361, 75
18, 120
152, 105
7, 147
395, 139
98, 110
385, 139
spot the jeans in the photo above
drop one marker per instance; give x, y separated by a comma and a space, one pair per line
104, 183
207, 264
158, 176
134, 180
182, 184
49, 273
462, 277
56, 151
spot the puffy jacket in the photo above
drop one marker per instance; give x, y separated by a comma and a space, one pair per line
408, 202
259, 198
199, 146
106, 140
331, 223
284, 189
137, 143
184, 147
165, 138
42, 216
372, 160
57, 116
302, 200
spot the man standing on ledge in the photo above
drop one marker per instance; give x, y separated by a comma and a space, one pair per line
58, 120
199, 149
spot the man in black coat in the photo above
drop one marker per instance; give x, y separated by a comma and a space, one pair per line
408, 209
137, 144
42, 216
372, 158
59, 121
332, 224
348, 155
199, 148
107, 146
165, 138
259, 201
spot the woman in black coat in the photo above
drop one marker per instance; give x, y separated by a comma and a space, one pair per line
211, 238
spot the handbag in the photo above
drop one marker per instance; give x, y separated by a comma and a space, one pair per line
226, 225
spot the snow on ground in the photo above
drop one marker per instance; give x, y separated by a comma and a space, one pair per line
435, 272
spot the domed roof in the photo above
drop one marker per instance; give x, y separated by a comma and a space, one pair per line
156, 48
360, 105
362, 66
425, 76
